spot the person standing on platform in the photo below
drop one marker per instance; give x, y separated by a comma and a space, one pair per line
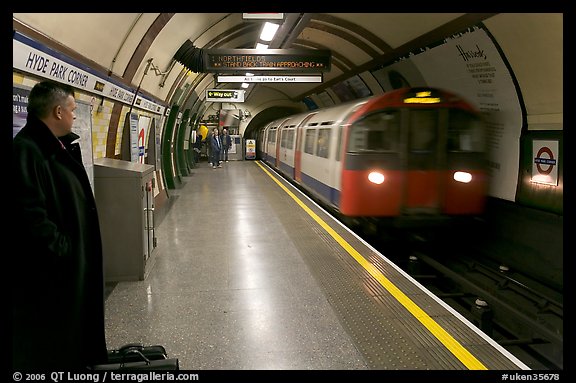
216, 146
197, 148
226, 144
57, 272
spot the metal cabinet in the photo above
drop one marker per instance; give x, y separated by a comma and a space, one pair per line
124, 194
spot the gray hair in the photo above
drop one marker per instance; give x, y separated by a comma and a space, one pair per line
45, 95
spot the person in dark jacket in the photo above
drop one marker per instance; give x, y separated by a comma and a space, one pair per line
216, 147
57, 274
226, 144
197, 148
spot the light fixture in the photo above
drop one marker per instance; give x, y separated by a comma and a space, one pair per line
268, 31
463, 177
261, 46
376, 177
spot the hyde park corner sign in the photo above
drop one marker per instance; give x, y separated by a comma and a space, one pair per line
545, 163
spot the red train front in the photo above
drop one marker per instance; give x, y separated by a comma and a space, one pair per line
415, 153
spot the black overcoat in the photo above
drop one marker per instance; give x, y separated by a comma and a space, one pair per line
57, 277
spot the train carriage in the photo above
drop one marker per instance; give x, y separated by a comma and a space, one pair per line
413, 154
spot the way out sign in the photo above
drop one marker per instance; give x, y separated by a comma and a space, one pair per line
545, 162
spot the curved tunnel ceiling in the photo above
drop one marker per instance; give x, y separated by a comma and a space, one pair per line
138, 49
351, 44
354, 43
358, 42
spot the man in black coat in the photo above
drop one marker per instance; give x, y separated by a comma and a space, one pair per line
216, 147
226, 144
57, 278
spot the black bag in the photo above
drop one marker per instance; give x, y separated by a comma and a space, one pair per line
135, 356
125, 354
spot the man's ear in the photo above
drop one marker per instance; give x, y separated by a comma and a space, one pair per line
57, 112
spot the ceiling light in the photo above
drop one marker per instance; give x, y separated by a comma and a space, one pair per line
269, 31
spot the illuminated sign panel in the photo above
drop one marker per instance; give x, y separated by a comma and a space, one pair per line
292, 60
263, 16
223, 95
271, 78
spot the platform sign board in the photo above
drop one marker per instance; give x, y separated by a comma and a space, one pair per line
250, 149
258, 79
279, 60
35, 58
545, 165
223, 95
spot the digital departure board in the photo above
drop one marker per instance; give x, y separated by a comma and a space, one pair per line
282, 60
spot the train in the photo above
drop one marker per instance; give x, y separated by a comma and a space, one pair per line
414, 156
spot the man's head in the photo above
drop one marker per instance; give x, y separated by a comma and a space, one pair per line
54, 104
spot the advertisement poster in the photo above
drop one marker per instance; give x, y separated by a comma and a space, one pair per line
19, 107
134, 150
143, 127
470, 65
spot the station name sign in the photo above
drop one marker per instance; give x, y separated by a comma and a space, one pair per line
289, 60
270, 78
32, 57
222, 95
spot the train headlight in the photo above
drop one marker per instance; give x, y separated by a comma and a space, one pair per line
376, 177
464, 177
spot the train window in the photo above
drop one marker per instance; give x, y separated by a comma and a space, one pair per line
290, 139
465, 132
309, 141
377, 132
423, 127
283, 136
323, 143
272, 135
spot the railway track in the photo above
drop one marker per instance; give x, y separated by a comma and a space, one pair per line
519, 313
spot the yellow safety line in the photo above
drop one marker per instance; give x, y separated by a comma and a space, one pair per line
447, 340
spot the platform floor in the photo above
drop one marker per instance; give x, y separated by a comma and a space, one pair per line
247, 278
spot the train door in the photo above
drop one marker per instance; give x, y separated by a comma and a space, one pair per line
281, 127
264, 143
333, 165
278, 142
298, 148
267, 144
281, 158
271, 145
422, 157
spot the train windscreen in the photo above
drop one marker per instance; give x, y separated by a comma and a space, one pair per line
377, 132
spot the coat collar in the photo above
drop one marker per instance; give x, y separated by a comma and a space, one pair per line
38, 131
